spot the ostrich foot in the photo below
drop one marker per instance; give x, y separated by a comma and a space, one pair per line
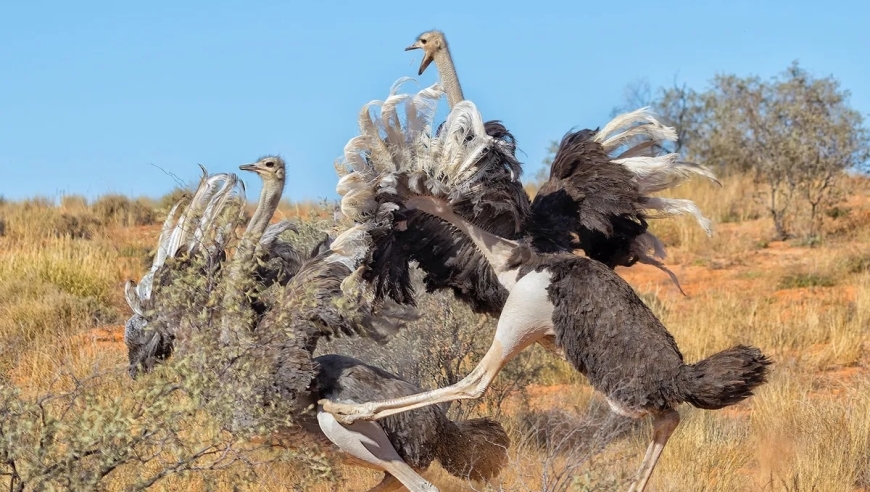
348, 413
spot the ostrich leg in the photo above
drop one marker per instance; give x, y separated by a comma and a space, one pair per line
527, 317
664, 424
368, 442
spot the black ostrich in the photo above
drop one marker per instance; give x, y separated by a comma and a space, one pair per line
596, 198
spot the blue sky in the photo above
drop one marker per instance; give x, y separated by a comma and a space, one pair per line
96, 95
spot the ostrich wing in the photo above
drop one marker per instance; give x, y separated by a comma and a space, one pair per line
313, 306
598, 198
280, 260
149, 332
469, 165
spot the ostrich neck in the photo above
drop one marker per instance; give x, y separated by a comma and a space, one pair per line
269, 199
236, 322
447, 71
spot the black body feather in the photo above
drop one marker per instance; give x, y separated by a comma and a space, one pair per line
449, 259
595, 330
587, 203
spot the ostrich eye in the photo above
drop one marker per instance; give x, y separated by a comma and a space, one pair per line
423, 41
270, 164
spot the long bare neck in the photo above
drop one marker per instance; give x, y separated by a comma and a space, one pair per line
268, 203
447, 72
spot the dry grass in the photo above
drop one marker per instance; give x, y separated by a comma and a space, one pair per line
779, 439
808, 307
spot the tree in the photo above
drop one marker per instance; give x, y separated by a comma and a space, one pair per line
683, 109
795, 133
635, 95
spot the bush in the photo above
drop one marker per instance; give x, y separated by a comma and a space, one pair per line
121, 211
73, 203
38, 219
167, 201
69, 426
75, 226
80, 436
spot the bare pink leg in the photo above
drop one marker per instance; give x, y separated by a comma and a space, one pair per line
526, 318
664, 424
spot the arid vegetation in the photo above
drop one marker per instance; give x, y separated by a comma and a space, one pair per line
795, 284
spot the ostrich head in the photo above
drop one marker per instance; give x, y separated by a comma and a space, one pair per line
435, 49
270, 168
433, 43
271, 171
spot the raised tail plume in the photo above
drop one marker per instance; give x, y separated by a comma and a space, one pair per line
194, 226
723, 379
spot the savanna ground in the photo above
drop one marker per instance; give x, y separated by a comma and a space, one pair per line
806, 305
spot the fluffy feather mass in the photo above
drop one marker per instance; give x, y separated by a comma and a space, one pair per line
467, 164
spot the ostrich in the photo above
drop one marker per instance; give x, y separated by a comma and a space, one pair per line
193, 228
578, 303
285, 339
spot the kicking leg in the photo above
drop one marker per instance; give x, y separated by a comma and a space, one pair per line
368, 442
664, 424
526, 318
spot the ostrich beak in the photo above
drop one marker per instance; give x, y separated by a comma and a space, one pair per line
249, 167
427, 59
